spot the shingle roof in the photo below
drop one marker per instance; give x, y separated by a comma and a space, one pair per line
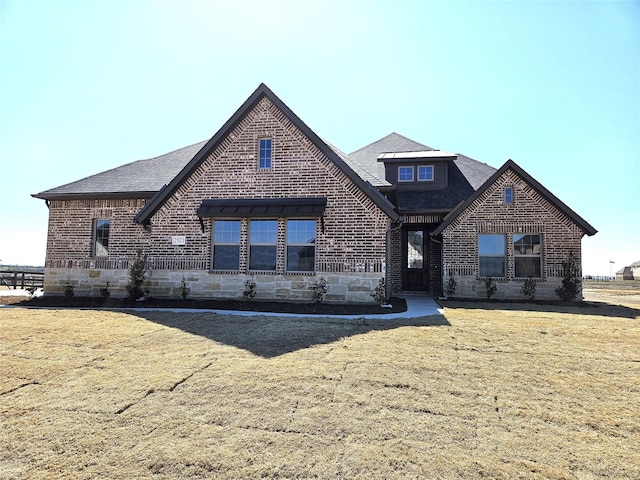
143, 177
367, 157
156, 177
475, 172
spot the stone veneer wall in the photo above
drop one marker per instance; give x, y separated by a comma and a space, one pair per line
530, 213
341, 288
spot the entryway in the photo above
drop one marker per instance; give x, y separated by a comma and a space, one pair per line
415, 259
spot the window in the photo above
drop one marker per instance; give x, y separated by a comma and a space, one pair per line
491, 255
425, 173
263, 241
415, 249
226, 245
527, 256
264, 153
101, 236
508, 195
405, 174
301, 250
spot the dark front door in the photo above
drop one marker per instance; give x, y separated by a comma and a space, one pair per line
415, 272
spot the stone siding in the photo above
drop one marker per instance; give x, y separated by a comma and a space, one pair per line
341, 288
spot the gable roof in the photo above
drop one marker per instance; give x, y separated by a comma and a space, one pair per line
145, 214
139, 179
510, 164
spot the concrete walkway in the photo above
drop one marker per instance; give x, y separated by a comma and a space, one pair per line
417, 306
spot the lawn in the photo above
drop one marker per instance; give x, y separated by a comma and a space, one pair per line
490, 390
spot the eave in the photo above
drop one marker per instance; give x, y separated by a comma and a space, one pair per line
94, 195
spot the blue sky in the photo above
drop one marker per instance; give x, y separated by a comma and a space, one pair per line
89, 85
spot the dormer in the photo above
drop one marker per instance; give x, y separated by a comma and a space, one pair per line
428, 169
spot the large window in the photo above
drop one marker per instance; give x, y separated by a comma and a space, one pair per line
263, 243
264, 153
226, 245
491, 255
101, 236
527, 255
301, 248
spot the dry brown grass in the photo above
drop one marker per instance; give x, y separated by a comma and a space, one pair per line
501, 392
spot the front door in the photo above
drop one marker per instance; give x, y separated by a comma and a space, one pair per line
415, 272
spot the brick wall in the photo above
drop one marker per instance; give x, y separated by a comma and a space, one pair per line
530, 213
351, 242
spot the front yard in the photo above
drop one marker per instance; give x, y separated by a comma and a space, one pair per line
498, 391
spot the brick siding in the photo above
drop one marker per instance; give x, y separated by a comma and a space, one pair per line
350, 244
530, 212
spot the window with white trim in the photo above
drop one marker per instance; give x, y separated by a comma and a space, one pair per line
527, 255
264, 152
101, 237
226, 245
425, 173
263, 245
301, 245
491, 255
405, 174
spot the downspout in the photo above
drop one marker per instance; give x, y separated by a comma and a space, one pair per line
387, 255
434, 239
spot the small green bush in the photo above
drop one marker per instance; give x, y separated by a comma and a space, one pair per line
380, 293
490, 285
529, 288
451, 287
68, 289
319, 289
250, 289
137, 275
571, 282
184, 291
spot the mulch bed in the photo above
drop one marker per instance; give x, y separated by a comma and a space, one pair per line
398, 305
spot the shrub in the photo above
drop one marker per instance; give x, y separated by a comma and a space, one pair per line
250, 289
319, 289
450, 290
529, 288
571, 282
104, 291
184, 291
380, 293
32, 291
137, 275
68, 289
490, 285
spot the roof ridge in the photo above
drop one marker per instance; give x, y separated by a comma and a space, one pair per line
387, 136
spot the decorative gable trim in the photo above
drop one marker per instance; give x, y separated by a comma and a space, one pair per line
537, 186
146, 213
